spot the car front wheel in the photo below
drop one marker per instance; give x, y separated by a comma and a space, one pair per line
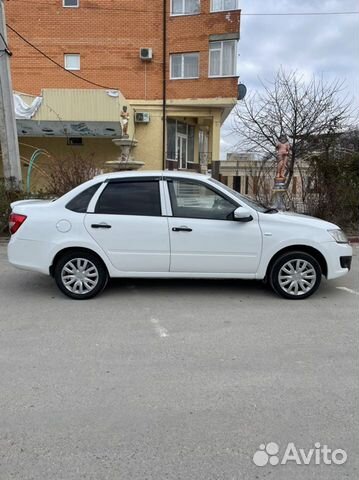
80, 275
295, 275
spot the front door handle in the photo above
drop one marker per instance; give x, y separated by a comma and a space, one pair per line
100, 225
181, 229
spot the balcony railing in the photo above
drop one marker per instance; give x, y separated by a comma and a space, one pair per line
204, 160
175, 165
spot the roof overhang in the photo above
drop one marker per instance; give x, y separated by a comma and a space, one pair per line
51, 128
74, 112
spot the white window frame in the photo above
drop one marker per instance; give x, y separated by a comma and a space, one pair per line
71, 6
224, 9
182, 77
183, 10
72, 54
182, 135
221, 59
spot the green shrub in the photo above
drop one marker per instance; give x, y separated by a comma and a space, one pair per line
336, 180
9, 196
6, 197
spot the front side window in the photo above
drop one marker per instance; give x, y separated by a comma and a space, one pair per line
184, 65
72, 61
223, 58
246, 200
130, 198
223, 5
185, 7
71, 3
195, 200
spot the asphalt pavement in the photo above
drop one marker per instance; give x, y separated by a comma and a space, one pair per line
176, 379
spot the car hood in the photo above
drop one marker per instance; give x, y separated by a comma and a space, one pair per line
299, 219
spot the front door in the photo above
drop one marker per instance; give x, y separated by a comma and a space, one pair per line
182, 150
128, 225
204, 236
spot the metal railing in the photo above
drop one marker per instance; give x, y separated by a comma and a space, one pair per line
173, 163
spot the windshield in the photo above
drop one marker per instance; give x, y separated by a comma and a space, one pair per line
249, 201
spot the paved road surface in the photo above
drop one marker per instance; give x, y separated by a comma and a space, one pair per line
174, 379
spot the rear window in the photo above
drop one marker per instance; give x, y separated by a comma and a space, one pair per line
81, 202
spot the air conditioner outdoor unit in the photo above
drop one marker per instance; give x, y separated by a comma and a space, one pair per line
146, 54
142, 117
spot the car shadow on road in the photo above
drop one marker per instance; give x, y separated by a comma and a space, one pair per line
187, 286
201, 288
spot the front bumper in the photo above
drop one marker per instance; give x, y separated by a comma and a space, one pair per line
338, 257
346, 262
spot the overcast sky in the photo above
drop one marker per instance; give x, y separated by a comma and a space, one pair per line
323, 45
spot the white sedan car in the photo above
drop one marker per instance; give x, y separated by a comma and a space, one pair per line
171, 225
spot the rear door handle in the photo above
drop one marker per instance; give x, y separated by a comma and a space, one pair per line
181, 229
100, 225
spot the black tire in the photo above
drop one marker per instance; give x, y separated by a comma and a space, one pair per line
308, 280
94, 281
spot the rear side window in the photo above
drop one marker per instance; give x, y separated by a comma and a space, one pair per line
81, 202
130, 198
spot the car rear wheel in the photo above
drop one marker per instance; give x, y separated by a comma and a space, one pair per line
295, 275
80, 275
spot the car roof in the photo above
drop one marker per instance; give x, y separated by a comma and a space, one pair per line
152, 173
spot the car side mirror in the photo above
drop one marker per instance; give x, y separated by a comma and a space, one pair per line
242, 215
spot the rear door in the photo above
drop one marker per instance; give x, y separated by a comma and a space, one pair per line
127, 223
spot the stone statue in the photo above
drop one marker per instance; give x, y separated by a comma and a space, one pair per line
283, 151
125, 119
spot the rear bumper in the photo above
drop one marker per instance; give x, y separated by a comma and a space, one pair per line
28, 255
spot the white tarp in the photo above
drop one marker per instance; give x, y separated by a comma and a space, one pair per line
113, 93
23, 110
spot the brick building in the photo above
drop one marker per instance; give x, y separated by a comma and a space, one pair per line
187, 75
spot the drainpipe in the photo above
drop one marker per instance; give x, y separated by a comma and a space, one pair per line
164, 92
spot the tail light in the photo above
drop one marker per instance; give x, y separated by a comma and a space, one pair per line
15, 222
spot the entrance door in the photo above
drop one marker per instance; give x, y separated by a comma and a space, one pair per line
182, 150
237, 184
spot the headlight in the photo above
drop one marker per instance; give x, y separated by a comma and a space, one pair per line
338, 235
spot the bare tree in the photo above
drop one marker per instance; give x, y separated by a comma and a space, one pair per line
300, 109
63, 174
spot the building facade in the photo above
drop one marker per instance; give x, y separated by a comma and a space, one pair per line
172, 63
